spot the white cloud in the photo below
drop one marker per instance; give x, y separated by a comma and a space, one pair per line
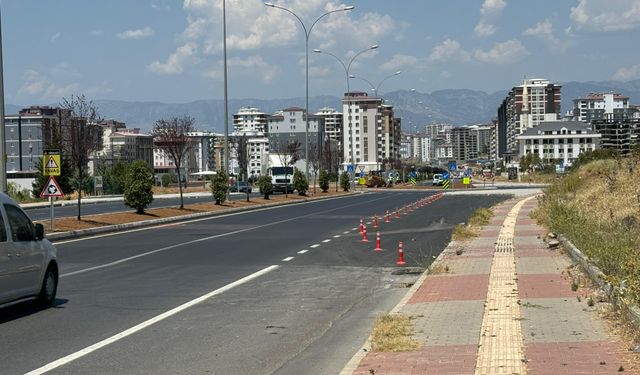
399, 62
40, 87
176, 61
253, 65
55, 37
490, 12
448, 50
136, 34
483, 29
492, 6
502, 53
544, 30
606, 15
627, 74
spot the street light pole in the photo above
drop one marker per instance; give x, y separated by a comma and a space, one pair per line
226, 99
347, 67
307, 33
3, 162
376, 88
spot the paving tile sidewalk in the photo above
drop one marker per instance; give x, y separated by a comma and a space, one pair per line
506, 309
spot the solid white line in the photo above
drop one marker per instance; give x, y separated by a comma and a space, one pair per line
337, 236
347, 231
302, 251
287, 259
314, 246
119, 336
325, 241
351, 229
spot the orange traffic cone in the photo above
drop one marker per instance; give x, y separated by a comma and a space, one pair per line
397, 214
400, 260
378, 248
361, 226
387, 218
375, 222
364, 235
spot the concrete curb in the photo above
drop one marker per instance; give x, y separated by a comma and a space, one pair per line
76, 234
598, 277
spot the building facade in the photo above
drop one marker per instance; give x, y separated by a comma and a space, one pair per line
598, 106
253, 124
288, 127
559, 140
620, 131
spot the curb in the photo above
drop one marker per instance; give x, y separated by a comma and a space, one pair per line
76, 234
597, 276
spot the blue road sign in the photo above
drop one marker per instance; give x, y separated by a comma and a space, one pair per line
413, 174
453, 166
445, 175
350, 168
361, 174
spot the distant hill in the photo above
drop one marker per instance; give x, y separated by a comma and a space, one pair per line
454, 106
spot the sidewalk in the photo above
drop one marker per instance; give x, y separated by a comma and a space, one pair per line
505, 307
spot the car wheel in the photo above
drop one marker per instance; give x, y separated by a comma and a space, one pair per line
49, 287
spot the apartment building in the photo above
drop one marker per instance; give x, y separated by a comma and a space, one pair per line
559, 140
598, 106
620, 131
371, 135
253, 124
526, 106
289, 126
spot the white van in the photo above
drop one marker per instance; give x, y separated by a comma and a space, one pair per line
28, 262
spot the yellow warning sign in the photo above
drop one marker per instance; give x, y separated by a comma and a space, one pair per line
466, 181
51, 163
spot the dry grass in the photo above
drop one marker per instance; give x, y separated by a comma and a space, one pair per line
92, 221
463, 232
481, 217
439, 268
392, 333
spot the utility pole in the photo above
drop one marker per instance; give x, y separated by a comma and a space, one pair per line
3, 151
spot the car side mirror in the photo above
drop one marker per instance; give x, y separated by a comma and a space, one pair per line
39, 232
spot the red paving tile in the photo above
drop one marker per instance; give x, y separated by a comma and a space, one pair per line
590, 357
488, 233
436, 360
544, 286
528, 232
539, 252
452, 288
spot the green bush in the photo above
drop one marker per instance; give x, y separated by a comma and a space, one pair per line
300, 183
138, 186
219, 187
323, 181
169, 178
266, 186
345, 184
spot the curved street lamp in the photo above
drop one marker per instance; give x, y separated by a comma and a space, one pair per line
376, 89
307, 33
347, 67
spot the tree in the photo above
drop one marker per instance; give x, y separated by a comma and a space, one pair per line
172, 136
168, 178
265, 185
323, 180
219, 187
113, 177
315, 158
344, 181
138, 187
81, 135
300, 183
241, 146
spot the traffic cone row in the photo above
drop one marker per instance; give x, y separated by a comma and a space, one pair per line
363, 230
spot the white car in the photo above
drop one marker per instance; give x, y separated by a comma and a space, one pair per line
438, 179
28, 262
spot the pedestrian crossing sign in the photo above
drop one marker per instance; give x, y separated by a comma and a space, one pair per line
51, 163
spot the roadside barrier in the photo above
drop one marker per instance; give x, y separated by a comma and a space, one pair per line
387, 218
364, 235
400, 260
378, 247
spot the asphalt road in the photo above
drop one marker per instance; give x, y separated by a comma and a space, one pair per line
305, 312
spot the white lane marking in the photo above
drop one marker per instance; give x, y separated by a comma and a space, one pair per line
314, 246
119, 336
368, 223
302, 251
192, 241
220, 217
287, 259
325, 241
347, 231
337, 236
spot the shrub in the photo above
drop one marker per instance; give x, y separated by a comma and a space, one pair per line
300, 183
138, 186
265, 186
219, 187
323, 181
345, 184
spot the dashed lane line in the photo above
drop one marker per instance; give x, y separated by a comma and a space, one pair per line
314, 246
325, 241
302, 251
287, 259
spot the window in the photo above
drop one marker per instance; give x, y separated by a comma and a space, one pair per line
21, 226
3, 231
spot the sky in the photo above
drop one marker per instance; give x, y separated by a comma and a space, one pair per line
171, 51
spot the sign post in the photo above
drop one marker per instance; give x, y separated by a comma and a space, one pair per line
51, 166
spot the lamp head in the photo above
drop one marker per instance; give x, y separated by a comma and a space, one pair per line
349, 7
375, 46
317, 50
269, 4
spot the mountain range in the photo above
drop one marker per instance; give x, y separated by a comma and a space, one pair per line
453, 106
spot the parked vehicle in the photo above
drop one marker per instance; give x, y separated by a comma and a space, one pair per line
437, 180
282, 179
28, 262
240, 187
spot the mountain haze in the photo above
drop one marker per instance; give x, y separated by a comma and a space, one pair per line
453, 106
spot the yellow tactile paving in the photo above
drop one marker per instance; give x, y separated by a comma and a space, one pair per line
500, 349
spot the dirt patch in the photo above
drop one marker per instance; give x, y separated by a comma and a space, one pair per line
91, 221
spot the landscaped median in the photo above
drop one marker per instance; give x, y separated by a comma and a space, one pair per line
70, 227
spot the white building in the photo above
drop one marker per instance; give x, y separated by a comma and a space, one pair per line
371, 132
598, 106
249, 120
559, 140
332, 123
253, 124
